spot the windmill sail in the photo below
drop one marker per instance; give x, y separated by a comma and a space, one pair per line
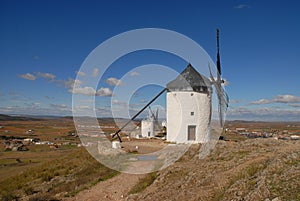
221, 94
218, 56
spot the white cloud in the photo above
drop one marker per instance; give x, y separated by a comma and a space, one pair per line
28, 76
119, 103
95, 72
115, 101
134, 73
286, 99
103, 112
234, 101
104, 92
278, 99
58, 106
32, 105
264, 114
294, 104
45, 75
30, 109
260, 102
113, 81
88, 91
70, 83
80, 73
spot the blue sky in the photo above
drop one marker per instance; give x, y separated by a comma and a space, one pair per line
44, 43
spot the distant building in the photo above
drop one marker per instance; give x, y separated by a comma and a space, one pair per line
241, 129
147, 128
150, 126
28, 140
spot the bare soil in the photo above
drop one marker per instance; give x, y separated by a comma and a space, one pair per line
254, 169
116, 188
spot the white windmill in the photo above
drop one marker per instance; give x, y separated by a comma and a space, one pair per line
189, 106
150, 126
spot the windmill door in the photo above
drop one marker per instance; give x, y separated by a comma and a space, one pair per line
192, 133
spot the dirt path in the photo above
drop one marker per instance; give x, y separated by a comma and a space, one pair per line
117, 188
114, 189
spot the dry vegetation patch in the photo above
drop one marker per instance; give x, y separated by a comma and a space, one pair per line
56, 178
253, 169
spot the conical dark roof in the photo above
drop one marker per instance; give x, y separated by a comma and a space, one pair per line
190, 80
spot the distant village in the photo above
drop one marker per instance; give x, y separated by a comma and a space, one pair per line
23, 141
17, 143
278, 134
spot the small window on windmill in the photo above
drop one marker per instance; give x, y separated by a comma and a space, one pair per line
192, 113
192, 94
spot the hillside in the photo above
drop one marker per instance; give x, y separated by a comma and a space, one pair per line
254, 169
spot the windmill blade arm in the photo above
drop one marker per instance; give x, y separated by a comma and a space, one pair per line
117, 133
222, 106
211, 75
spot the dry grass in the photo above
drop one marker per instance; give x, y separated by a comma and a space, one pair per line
144, 183
253, 169
12, 163
56, 178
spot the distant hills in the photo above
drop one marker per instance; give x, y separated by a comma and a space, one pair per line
4, 117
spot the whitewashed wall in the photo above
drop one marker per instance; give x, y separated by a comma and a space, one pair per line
147, 126
179, 108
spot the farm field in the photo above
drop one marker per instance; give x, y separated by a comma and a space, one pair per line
53, 167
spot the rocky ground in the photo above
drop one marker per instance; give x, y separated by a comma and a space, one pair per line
254, 169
